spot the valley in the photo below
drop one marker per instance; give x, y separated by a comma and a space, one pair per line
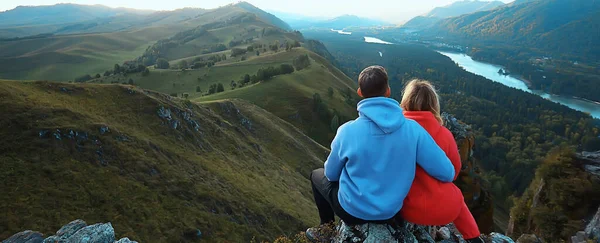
169, 123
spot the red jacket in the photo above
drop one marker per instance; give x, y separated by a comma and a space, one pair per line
429, 201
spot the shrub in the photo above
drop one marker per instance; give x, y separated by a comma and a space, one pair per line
301, 62
162, 63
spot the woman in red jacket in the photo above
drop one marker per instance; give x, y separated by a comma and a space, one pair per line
429, 201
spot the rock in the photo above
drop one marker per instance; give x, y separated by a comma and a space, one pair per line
66, 231
97, 233
529, 239
125, 240
443, 233
164, 113
591, 162
174, 124
499, 238
104, 129
370, 233
27, 236
579, 237
43, 133
56, 134
592, 230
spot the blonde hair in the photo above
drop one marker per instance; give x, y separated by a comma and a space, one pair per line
420, 95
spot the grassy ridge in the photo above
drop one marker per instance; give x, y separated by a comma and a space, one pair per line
241, 174
289, 97
65, 57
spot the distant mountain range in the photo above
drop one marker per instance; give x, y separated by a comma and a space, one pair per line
61, 14
554, 25
453, 10
341, 22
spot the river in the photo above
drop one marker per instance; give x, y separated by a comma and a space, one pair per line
490, 71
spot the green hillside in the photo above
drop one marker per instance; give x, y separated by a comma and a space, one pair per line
528, 24
157, 167
289, 96
65, 57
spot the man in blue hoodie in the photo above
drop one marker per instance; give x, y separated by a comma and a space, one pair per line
373, 159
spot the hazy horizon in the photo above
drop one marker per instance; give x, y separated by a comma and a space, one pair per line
387, 10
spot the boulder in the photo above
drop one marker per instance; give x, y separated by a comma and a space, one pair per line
97, 233
27, 236
76, 231
592, 230
443, 233
403, 232
66, 231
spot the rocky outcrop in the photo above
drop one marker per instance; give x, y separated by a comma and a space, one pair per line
592, 230
403, 232
591, 162
469, 181
73, 232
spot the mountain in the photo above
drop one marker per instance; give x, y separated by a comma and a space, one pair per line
54, 57
297, 21
341, 22
529, 23
552, 43
455, 9
462, 7
157, 167
60, 14
270, 18
223, 47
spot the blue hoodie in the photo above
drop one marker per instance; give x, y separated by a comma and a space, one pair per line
374, 159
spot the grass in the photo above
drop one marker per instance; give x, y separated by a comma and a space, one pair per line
241, 175
66, 57
287, 96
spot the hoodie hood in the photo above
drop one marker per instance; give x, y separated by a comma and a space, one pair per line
426, 119
384, 112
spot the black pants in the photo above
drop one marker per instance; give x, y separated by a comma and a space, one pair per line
326, 198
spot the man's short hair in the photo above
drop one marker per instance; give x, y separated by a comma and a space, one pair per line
373, 81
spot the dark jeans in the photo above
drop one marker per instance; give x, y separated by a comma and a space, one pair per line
326, 198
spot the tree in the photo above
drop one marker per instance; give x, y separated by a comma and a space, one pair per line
233, 84
107, 73
186, 95
250, 49
296, 44
224, 57
130, 82
257, 53
335, 123
83, 78
220, 88
162, 63
198, 90
237, 52
246, 78
212, 89
301, 62
330, 92
117, 69
97, 75
286, 69
146, 72
183, 64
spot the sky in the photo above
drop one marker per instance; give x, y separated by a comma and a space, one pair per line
389, 10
